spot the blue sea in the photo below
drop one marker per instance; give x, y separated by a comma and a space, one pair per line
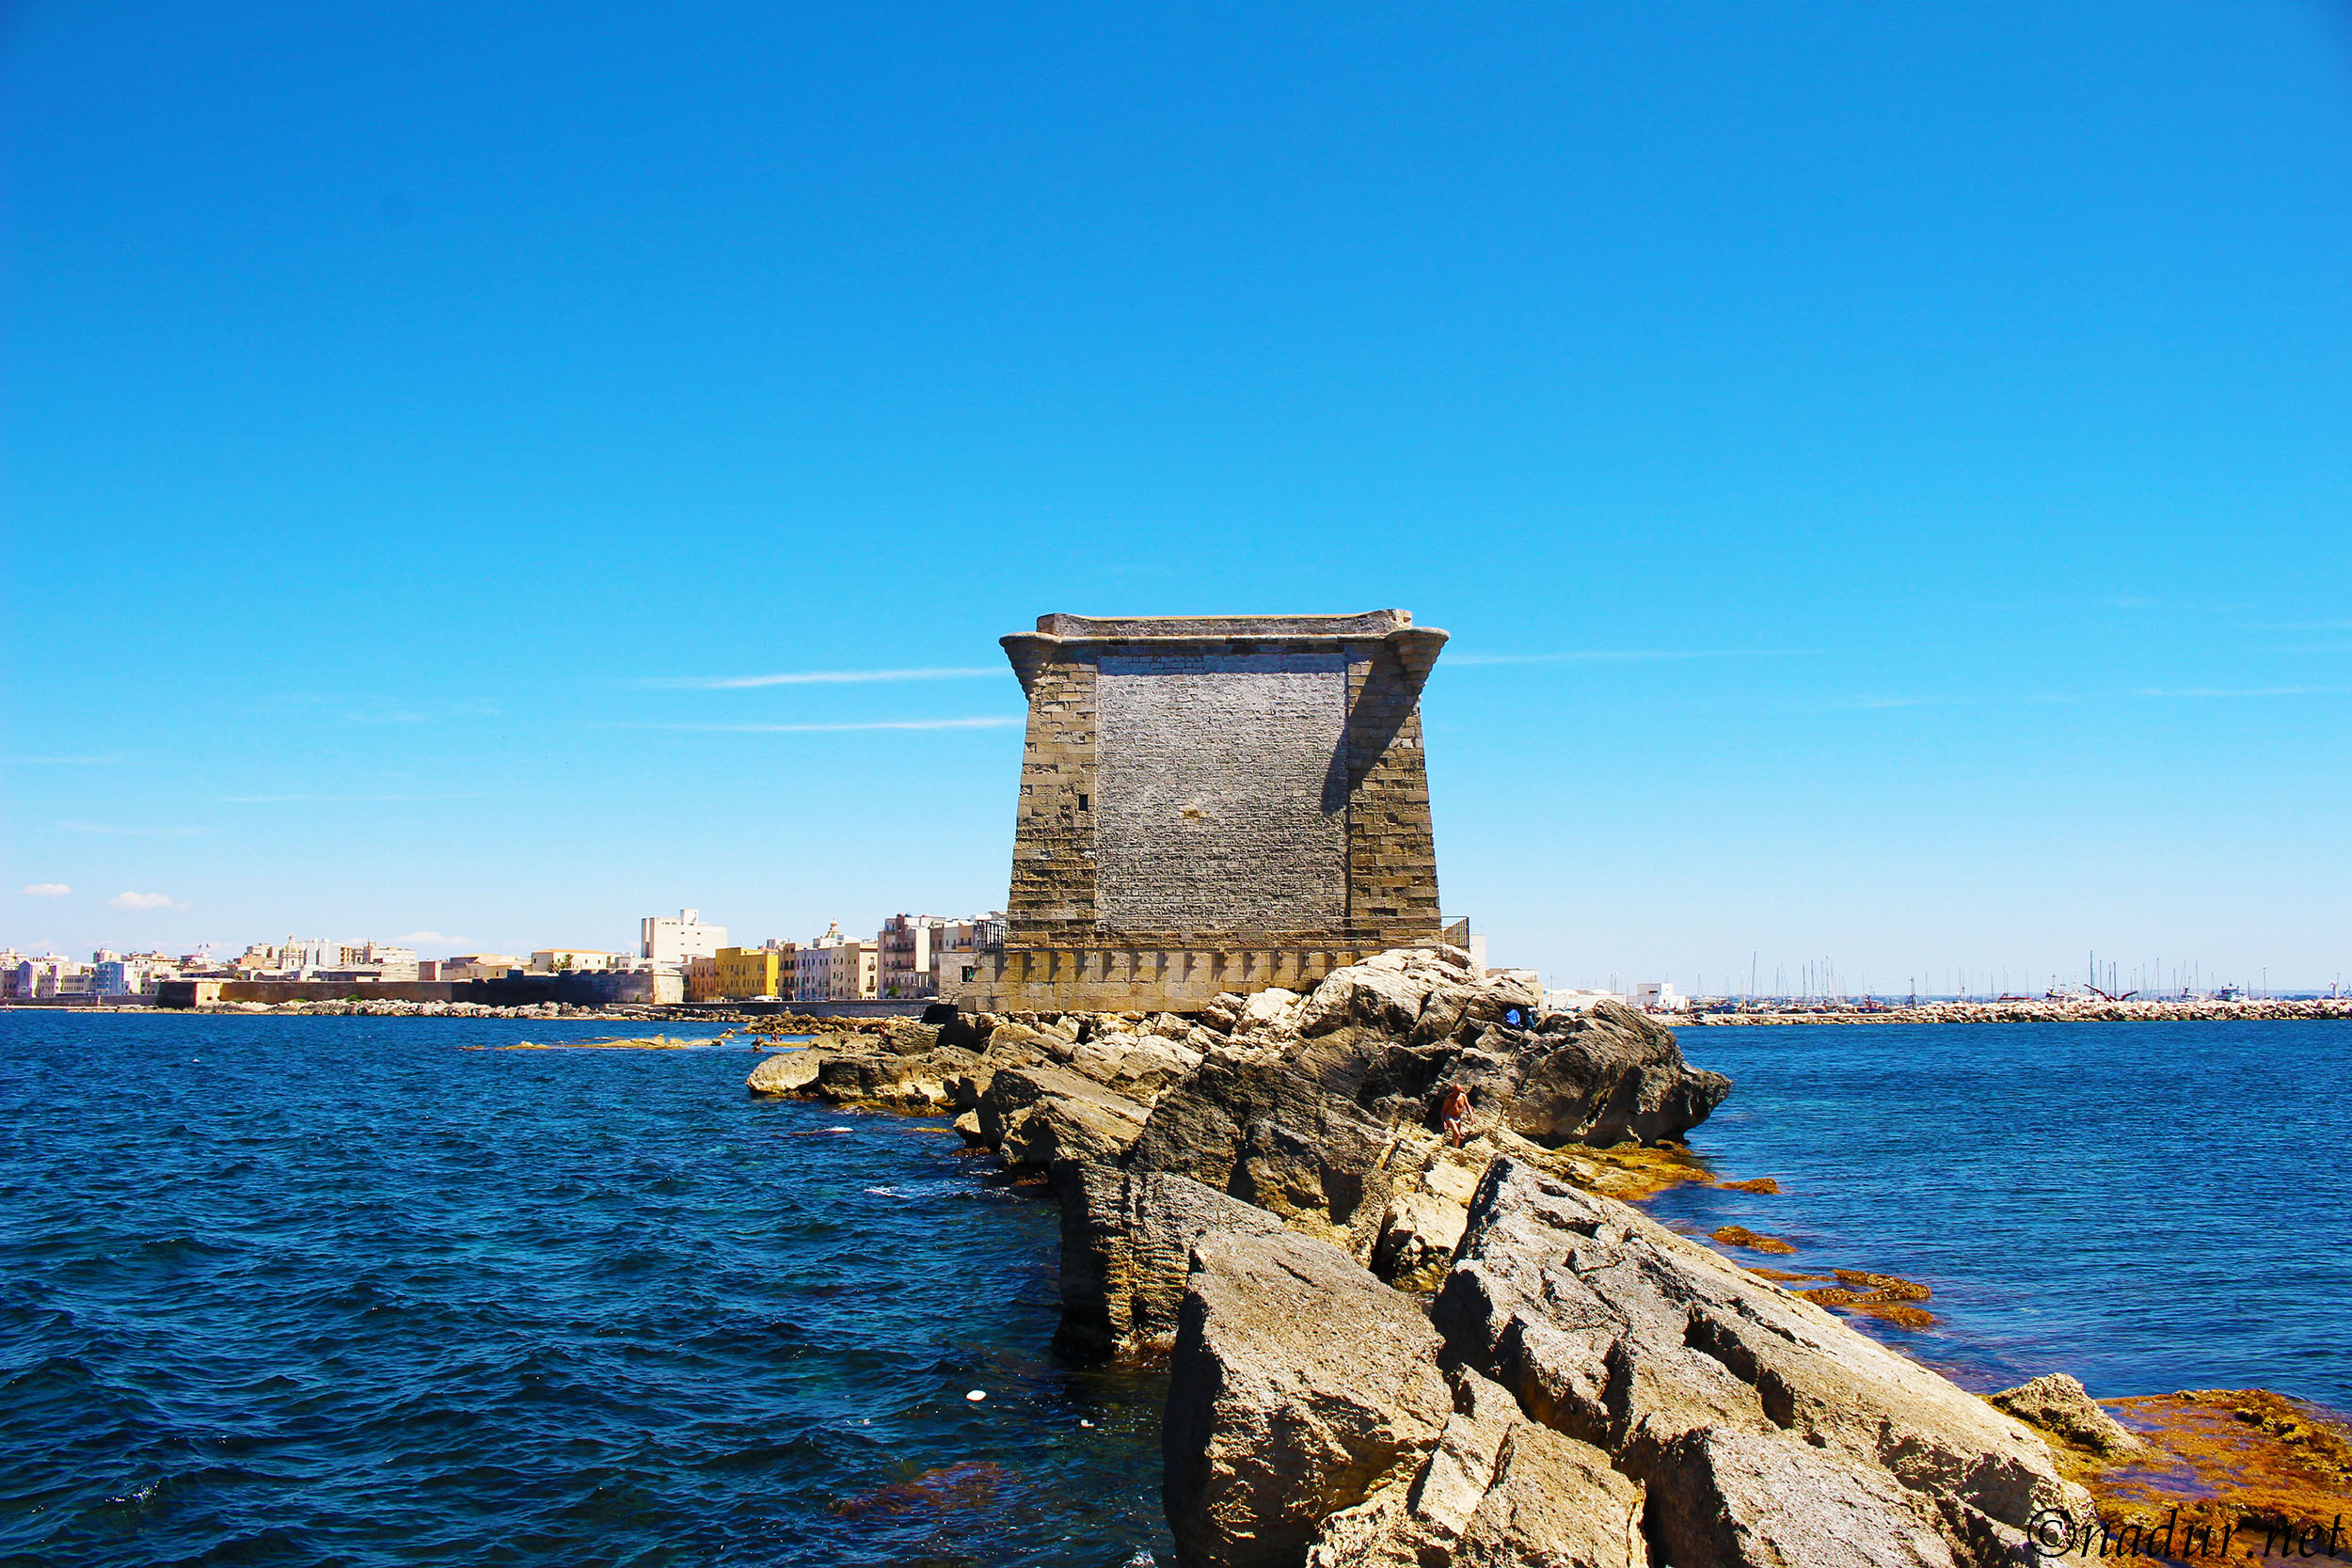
313, 1290
2148, 1206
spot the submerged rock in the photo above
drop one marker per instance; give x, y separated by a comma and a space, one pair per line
2060, 1405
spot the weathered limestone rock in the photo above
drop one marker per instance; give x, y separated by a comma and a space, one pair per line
1138, 1066
1330, 1130
1071, 1127
1387, 992
1270, 1015
2060, 1405
1417, 1240
1746, 1500
785, 1072
1613, 1330
1127, 1251
903, 1037
910, 1083
1299, 1383
1265, 1130
1495, 1489
1038, 1115
1611, 1075
1012, 1044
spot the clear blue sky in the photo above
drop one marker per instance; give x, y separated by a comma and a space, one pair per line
1887, 471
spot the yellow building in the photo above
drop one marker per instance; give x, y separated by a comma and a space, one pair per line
743, 973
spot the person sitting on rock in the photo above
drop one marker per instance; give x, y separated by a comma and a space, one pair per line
1457, 1113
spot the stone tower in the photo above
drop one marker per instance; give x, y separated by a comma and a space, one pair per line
1214, 803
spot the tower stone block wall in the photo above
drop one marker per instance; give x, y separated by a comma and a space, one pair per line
1214, 803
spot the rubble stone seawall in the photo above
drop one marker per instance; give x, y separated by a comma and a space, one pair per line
2069, 1011
1406, 1332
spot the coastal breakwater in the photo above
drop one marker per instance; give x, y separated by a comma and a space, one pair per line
2054, 1010
1388, 1349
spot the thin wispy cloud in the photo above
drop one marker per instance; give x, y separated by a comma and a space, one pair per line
2242, 691
812, 677
1626, 656
46, 890
2140, 694
340, 800
142, 901
826, 728
129, 832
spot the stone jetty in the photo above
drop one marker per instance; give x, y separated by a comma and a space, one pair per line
1386, 1349
2068, 1010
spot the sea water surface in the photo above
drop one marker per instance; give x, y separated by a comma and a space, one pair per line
2148, 1206
315, 1290
339, 1290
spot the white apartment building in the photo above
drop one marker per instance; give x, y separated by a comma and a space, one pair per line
667, 944
128, 976
853, 972
290, 959
1659, 996
835, 969
577, 961
51, 975
379, 960
812, 965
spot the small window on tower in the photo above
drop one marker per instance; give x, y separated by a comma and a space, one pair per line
1082, 803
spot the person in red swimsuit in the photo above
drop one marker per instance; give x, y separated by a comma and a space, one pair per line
1456, 1114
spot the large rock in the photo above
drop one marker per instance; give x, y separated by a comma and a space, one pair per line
1140, 1066
1328, 1131
785, 1072
1613, 1330
2060, 1405
904, 1037
1418, 1236
1127, 1251
1601, 1076
1495, 1489
918, 1082
1034, 1115
1299, 1383
1747, 1501
1264, 1128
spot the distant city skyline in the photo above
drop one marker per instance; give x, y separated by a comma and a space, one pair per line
474, 479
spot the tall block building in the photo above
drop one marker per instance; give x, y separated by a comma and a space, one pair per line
1212, 803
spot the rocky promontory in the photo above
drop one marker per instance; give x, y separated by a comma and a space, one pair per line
1385, 1349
